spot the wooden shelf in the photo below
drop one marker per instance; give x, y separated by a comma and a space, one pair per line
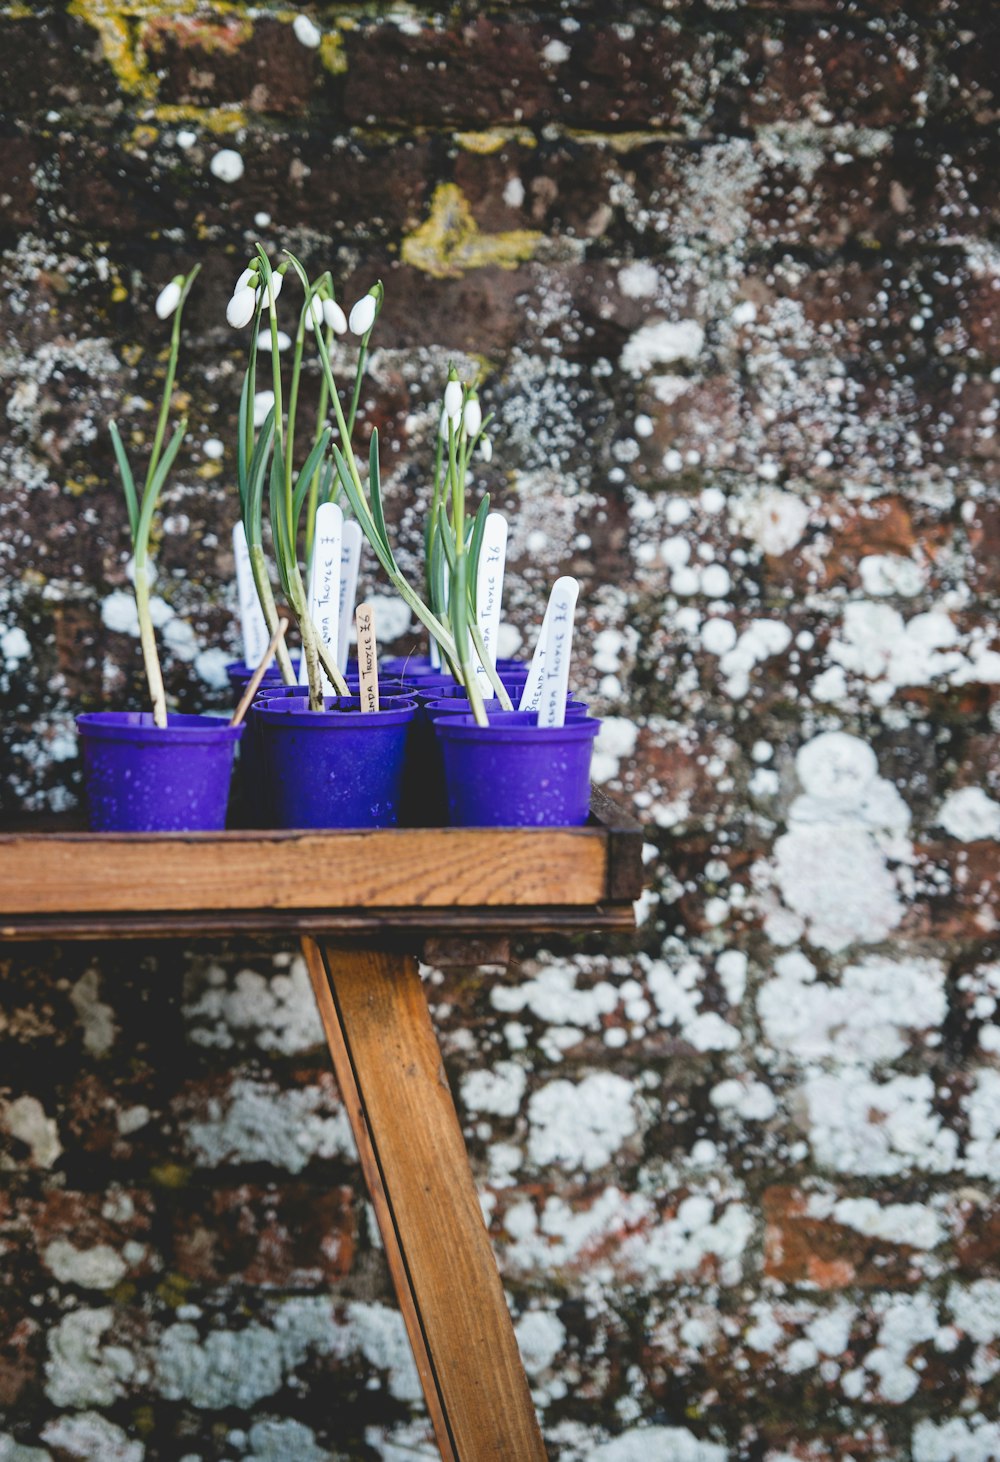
71, 884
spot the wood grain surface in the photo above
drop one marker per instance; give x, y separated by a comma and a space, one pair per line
383, 868
400, 1106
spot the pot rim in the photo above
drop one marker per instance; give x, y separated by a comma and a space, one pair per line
138, 726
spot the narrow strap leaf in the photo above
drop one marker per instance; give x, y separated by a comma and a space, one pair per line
253, 517
242, 473
305, 477
375, 489
327, 490
278, 527
128, 481
476, 548
151, 496
446, 533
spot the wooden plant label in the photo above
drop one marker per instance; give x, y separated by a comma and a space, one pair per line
562, 601
558, 650
364, 618
324, 579
489, 592
350, 562
252, 623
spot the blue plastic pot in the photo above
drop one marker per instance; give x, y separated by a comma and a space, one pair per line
239, 673
516, 775
339, 767
143, 778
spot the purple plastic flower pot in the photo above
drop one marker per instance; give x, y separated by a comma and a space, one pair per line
425, 802
458, 705
239, 673
516, 775
339, 767
143, 778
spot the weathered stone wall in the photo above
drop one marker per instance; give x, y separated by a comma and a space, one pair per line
731, 275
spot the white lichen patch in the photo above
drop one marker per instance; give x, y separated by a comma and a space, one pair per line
89, 1436
259, 1123
969, 814
96, 1018
957, 1439
831, 868
495, 1092
25, 1119
83, 1368
661, 343
240, 1367
583, 1124
99, 1267
886, 653
866, 1019
871, 1128
642, 1443
274, 1011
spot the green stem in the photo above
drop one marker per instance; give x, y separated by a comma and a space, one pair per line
258, 567
147, 639
491, 670
358, 374
408, 595
313, 502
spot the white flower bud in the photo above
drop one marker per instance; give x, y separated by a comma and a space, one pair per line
486, 449
363, 315
168, 299
473, 418
249, 276
239, 311
315, 311
453, 399
335, 317
443, 425
277, 280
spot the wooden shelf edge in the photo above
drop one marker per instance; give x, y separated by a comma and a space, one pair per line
411, 925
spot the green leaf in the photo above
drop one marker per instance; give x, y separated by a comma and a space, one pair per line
446, 533
375, 489
254, 512
128, 481
241, 444
305, 477
476, 548
151, 496
326, 485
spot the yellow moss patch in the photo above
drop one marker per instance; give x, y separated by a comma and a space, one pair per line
332, 53
620, 142
213, 119
493, 140
450, 242
170, 1175
117, 45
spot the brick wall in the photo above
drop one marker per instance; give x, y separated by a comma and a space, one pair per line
731, 273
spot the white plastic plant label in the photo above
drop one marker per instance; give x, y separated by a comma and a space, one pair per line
252, 625
350, 562
561, 606
489, 592
324, 580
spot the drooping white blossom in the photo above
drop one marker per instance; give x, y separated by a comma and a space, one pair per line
315, 311
168, 299
363, 315
486, 449
453, 399
249, 276
239, 311
277, 280
473, 417
335, 317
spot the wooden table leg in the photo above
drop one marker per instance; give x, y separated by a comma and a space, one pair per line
388, 1065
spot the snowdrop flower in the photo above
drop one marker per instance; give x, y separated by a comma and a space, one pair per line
277, 280
316, 314
335, 317
363, 314
453, 397
240, 310
249, 276
486, 449
472, 420
443, 426
169, 297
